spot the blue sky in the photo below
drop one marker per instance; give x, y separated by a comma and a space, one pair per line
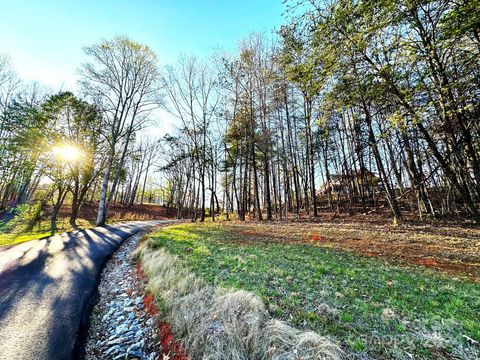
44, 39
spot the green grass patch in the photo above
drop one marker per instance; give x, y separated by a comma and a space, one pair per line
12, 238
10, 235
367, 305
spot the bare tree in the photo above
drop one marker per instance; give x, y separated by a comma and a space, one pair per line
122, 79
9, 82
191, 91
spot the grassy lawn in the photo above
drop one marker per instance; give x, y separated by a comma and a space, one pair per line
10, 235
13, 238
368, 305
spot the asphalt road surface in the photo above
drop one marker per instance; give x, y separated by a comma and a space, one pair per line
45, 286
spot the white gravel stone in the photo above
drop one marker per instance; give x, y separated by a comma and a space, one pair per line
120, 328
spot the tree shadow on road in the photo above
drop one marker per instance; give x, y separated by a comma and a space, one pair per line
45, 286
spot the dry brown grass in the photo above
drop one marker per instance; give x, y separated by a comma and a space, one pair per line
231, 328
287, 343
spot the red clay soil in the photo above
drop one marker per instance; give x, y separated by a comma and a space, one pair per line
170, 348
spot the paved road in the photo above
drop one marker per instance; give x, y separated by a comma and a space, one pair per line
46, 284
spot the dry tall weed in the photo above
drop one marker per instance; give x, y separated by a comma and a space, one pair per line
287, 343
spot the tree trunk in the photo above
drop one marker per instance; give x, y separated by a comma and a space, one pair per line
102, 205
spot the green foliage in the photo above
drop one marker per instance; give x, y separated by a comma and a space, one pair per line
31, 215
303, 62
13, 238
462, 19
23, 138
26, 216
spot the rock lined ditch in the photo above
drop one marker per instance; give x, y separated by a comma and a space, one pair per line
120, 326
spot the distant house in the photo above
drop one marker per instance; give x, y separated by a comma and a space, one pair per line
364, 175
344, 182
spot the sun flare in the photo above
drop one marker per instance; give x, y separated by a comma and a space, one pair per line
67, 153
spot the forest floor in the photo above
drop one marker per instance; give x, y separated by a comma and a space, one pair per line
14, 232
359, 284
